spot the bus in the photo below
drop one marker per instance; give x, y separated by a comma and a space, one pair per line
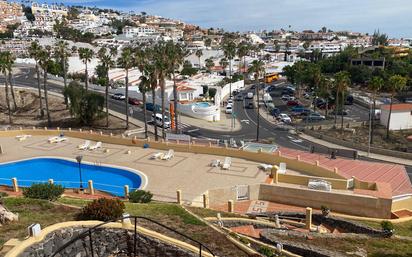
269, 78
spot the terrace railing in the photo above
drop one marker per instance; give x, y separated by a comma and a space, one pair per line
90, 231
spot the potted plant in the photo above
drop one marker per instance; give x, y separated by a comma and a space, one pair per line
387, 228
325, 210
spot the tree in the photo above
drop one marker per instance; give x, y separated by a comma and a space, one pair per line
229, 50
62, 53
396, 83
44, 58
144, 86
375, 85
224, 63
257, 68
126, 61
242, 51
342, 82
103, 72
4, 70
199, 53
209, 64
9, 60
86, 55
34, 51
379, 39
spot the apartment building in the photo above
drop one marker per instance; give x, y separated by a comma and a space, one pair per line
10, 13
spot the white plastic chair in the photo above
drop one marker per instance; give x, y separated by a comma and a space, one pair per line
84, 146
96, 146
169, 155
227, 163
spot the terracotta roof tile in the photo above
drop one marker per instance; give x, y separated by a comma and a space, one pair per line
397, 107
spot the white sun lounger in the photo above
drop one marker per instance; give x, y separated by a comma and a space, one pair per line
169, 155
57, 139
84, 146
227, 163
265, 167
22, 137
282, 168
96, 146
157, 156
215, 163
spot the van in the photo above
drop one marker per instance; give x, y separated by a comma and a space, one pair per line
159, 120
249, 95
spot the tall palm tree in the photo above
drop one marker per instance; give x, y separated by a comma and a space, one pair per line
9, 59
342, 82
152, 71
375, 85
258, 69
175, 54
62, 52
224, 63
34, 51
229, 50
126, 61
86, 55
107, 62
162, 65
4, 70
44, 59
144, 86
199, 54
242, 51
396, 83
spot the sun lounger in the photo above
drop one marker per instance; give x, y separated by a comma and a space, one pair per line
84, 146
22, 137
282, 168
57, 139
265, 167
215, 163
227, 163
157, 156
96, 146
169, 155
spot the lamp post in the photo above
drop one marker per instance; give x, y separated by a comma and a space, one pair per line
79, 161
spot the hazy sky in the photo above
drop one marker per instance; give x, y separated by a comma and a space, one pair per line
390, 16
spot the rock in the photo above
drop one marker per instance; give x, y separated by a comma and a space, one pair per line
7, 216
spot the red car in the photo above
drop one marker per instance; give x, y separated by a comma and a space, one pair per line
293, 103
134, 101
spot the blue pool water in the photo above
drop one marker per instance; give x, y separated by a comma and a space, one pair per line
203, 104
66, 173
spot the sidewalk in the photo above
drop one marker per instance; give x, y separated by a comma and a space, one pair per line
225, 124
360, 153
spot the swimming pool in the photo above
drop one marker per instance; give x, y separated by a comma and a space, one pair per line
202, 104
65, 172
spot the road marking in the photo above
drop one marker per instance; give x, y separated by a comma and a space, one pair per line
193, 130
245, 121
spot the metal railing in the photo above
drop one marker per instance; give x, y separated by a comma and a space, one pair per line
89, 233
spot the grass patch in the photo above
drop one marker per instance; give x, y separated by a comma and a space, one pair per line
73, 201
401, 229
205, 213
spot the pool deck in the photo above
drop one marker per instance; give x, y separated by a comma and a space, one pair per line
188, 172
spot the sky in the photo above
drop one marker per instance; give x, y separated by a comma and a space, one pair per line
392, 17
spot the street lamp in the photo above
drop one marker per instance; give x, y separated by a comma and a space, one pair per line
79, 161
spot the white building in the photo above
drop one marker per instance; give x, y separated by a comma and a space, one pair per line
140, 31
401, 117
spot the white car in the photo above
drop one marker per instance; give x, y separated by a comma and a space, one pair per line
230, 101
229, 109
283, 117
159, 121
118, 96
249, 95
287, 98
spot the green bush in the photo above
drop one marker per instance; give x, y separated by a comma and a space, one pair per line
102, 209
3, 194
244, 240
140, 196
266, 251
44, 191
387, 225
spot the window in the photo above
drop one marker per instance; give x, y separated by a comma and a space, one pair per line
183, 96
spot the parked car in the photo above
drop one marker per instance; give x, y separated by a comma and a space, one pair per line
158, 120
408, 100
288, 92
283, 117
275, 112
270, 88
292, 103
134, 101
250, 105
150, 107
315, 117
235, 92
239, 97
230, 101
229, 109
118, 96
306, 95
249, 95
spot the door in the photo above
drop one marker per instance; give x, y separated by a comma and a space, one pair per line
242, 192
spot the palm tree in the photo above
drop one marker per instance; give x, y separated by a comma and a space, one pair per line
342, 82
224, 63
126, 61
34, 51
62, 52
152, 71
9, 59
396, 83
4, 70
199, 53
175, 54
86, 55
144, 86
258, 68
209, 64
44, 58
229, 50
162, 65
242, 51
375, 85
106, 60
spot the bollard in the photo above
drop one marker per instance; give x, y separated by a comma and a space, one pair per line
179, 196
177, 141
335, 170
91, 131
193, 142
111, 134
101, 133
58, 128
51, 181
298, 157
210, 144
231, 206
45, 128
70, 129
91, 188
34, 128
15, 185
20, 128
308, 218
126, 191
274, 174
80, 130
317, 163
279, 153
1, 149
205, 200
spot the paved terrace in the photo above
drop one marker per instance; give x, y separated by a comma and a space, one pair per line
189, 172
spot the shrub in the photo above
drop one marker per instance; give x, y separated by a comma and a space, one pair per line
387, 226
3, 194
266, 251
140, 196
244, 240
102, 209
44, 191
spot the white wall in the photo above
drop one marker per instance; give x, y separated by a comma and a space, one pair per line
399, 119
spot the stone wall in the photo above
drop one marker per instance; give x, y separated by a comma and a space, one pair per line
106, 242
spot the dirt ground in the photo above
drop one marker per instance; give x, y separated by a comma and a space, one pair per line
27, 114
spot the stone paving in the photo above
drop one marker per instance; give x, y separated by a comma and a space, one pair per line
188, 172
